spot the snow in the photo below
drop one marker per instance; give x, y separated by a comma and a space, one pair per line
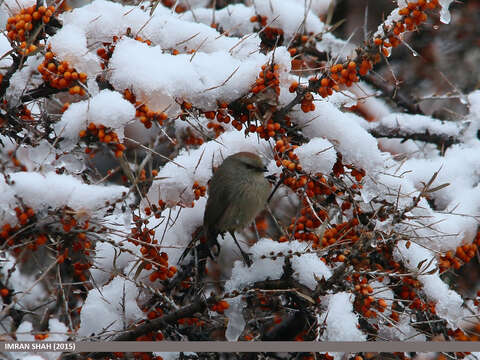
307, 268
401, 331
286, 14
30, 299
154, 77
417, 259
108, 256
231, 18
319, 7
57, 331
5, 47
70, 44
14, 6
24, 331
357, 146
341, 322
113, 307
107, 108
458, 168
22, 79
176, 228
289, 15
318, 155
418, 124
444, 12
33, 189
100, 20
69, 191
236, 321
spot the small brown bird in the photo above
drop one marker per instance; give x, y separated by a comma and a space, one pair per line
237, 192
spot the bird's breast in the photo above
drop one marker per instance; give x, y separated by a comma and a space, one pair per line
250, 198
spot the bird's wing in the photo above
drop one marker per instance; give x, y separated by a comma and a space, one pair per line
217, 204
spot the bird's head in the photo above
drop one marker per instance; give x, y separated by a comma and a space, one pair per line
249, 160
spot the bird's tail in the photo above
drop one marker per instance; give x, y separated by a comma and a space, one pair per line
203, 247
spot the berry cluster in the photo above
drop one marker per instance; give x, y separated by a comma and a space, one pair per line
42, 336
261, 224
60, 75
15, 162
463, 255
25, 216
267, 78
271, 37
198, 190
365, 303
153, 313
262, 20
152, 257
191, 321
222, 115
4, 293
412, 16
317, 187
339, 74
347, 74
189, 138
220, 306
143, 112
179, 8
342, 232
20, 26
75, 248
95, 133
460, 335
25, 114
106, 52
156, 210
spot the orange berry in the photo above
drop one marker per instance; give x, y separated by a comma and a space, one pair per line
41, 239
23, 218
62, 83
30, 212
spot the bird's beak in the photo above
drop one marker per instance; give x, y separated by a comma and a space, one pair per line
271, 178
265, 169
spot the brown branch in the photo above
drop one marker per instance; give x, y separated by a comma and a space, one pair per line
40, 92
280, 114
441, 140
199, 305
6, 78
391, 92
